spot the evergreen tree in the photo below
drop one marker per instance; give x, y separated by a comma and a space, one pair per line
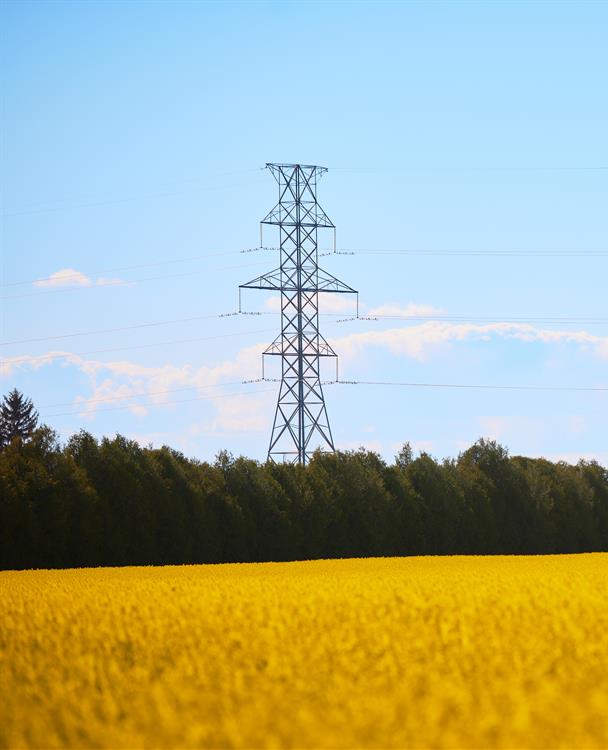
405, 456
18, 417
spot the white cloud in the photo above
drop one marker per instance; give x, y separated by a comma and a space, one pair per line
238, 412
71, 277
273, 304
328, 303
414, 341
65, 277
347, 303
123, 383
102, 281
337, 303
138, 409
8, 365
421, 341
108, 394
412, 310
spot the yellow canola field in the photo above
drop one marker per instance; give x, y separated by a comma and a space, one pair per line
439, 652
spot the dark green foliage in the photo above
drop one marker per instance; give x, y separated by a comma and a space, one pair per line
18, 419
49, 510
112, 502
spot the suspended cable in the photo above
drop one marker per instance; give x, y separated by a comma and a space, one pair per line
78, 410
116, 269
343, 251
67, 205
144, 394
553, 319
468, 168
474, 386
549, 320
127, 282
137, 326
170, 403
68, 355
127, 199
480, 253
477, 319
460, 253
84, 402
133, 327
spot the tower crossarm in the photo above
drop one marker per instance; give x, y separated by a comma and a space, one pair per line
324, 282
311, 215
329, 283
270, 280
283, 345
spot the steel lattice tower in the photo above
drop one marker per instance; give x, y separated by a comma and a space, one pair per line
300, 421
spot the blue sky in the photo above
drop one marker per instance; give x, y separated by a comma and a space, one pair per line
133, 136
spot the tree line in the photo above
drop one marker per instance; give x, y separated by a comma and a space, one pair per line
114, 502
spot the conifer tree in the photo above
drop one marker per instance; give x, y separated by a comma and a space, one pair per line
18, 418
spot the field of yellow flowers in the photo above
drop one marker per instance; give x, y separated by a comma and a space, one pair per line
450, 652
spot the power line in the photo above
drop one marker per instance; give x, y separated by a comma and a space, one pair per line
147, 394
342, 251
118, 329
554, 320
170, 403
68, 204
80, 274
471, 168
480, 253
518, 253
352, 251
547, 319
127, 199
479, 319
78, 410
475, 386
67, 355
87, 401
128, 282
454, 385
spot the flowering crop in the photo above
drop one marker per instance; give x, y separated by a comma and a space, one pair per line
436, 652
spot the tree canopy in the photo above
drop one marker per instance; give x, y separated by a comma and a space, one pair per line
113, 502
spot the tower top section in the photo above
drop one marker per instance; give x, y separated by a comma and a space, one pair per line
285, 172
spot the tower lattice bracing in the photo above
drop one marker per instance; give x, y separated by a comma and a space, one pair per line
301, 423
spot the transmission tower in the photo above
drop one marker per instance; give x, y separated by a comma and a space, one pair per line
300, 422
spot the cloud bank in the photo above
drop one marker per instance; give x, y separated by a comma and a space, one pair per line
421, 341
70, 277
124, 382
